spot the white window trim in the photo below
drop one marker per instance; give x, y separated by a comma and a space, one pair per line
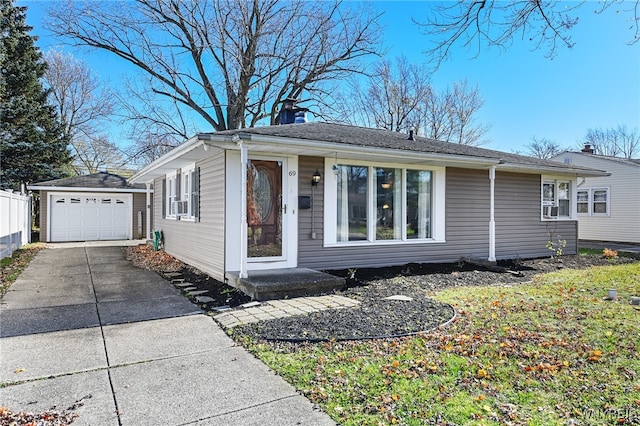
573, 197
330, 203
170, 179
185, 191
590, 200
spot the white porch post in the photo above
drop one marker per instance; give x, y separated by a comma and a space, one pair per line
492, 222
243, 211
148, 230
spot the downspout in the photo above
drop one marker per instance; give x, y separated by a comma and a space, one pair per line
243, 211
148, 230
492, 222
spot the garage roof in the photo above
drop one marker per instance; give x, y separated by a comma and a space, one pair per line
95, 182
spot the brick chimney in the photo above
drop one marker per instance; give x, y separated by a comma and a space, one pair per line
587, 149
290, 113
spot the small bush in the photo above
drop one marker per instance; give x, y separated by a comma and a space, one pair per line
609, 254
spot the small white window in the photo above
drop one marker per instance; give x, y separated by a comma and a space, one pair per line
600, 202
593, 202
556, 199
171, 195
583, 202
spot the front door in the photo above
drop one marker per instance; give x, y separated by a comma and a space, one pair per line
265, 210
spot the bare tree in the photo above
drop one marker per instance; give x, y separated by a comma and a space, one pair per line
400, 98
614, 142
95, 154
150, 145
542, 148
231, 62
388, 99
84, 108
491, 23
462, 105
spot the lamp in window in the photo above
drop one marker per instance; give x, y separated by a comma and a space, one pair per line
315, 179
385, 185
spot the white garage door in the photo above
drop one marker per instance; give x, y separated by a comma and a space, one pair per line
90, 217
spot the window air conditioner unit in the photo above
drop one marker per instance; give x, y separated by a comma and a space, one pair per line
551, 211
180, 208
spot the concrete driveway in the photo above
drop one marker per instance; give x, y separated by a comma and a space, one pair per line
84, 330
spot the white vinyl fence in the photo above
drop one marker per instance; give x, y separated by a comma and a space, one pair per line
15, 222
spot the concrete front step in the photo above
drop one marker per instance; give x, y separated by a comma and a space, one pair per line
281, 283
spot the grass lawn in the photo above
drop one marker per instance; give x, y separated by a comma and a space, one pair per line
551, 352
10, 267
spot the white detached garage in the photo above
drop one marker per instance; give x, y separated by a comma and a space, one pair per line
96, 207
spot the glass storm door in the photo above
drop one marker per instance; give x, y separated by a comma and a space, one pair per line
264, 209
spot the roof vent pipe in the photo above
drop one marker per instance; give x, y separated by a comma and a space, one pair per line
411, 137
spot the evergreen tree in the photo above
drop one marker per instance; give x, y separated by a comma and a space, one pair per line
32, 143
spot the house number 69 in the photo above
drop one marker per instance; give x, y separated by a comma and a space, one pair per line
292, 172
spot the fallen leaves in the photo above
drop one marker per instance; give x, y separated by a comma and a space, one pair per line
144, 256
46, 418
12, 266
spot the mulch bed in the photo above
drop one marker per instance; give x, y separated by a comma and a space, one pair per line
375, 317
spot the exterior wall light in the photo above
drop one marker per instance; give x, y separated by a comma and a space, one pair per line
315, 179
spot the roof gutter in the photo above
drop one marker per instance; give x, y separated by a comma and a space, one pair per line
174, 154
258, 140
83, 189
562, 171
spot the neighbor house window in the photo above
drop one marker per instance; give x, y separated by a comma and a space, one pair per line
382, 204
583, 202
556, 199
593, 202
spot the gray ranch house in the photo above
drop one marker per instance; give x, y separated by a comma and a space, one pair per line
95, 207
330, 196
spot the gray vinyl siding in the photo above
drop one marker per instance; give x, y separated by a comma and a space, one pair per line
519, 230
200, 243
520, 233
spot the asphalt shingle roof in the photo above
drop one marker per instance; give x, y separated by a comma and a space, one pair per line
382, 138
101, 180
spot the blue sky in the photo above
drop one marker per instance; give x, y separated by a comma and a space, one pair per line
594, 84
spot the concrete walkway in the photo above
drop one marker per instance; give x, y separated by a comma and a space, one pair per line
259, 311
84, 330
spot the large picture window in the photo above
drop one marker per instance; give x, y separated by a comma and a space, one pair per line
352, 203
418, 204
382, 204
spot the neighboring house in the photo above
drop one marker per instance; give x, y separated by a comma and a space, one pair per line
329, 196
608, 206
99, 206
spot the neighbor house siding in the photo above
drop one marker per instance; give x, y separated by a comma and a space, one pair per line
199, 243
623, 222
519, 231
467, 227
